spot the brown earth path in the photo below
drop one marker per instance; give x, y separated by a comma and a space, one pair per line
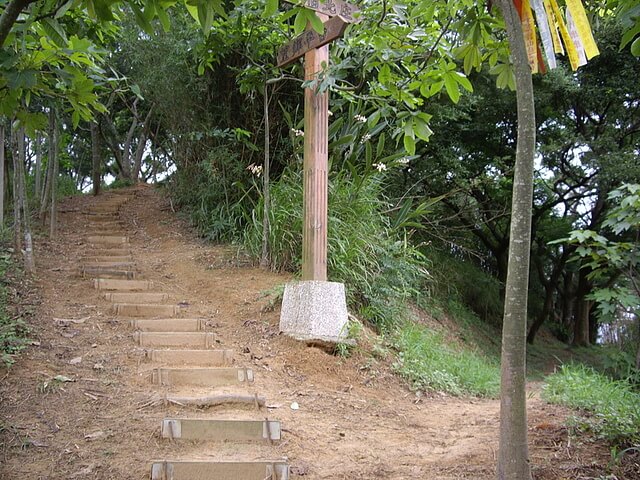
356, 420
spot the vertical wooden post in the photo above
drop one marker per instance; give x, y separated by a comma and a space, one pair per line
316, 166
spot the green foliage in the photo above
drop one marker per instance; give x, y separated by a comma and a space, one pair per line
13, 330
380, 271
429, 361
613, 407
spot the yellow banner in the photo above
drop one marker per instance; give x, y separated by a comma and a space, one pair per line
572, 53
545, 32
583, 28
529, 31
553, 26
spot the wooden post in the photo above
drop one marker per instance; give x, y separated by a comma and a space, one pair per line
316, 165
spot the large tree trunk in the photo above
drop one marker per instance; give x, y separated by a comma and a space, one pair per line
266, 198
53, 158
513, 454
17, 217
1, 172
96, 160
29, 263
38, 167
583, 309
53, 225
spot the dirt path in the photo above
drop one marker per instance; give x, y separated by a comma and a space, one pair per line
356, 420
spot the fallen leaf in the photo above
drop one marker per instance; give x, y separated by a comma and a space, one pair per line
94, 435
75, 361
62, 378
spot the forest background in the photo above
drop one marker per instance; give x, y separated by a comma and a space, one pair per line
422, 150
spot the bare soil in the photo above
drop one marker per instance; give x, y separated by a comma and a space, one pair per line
356, 419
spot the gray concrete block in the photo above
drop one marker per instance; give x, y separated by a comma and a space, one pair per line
313, 310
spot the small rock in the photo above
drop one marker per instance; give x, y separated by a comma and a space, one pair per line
295, 406
98, 366
94, 435
75, 361
94, 345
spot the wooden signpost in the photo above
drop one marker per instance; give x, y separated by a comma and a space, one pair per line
315, 49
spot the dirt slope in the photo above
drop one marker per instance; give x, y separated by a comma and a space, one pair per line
356, 419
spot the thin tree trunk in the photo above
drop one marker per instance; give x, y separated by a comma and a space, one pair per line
9, 17
29, 263
17, 217
38, 167
583, 308
513, 454
53, 226
1, 173
96, 161
266, 197
53, 155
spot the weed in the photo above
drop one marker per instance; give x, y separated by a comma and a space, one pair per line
428, 361
611, 408
13, 330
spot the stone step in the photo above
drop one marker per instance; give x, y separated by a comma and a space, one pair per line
101, 217
169, 324
106, 258
221, 430
110, 264
119, 251
215, 400
106, 232
135, 297
108, 273
175, 339
99, 239
144, 310
201, 376
207, 470
211, 358
122, 285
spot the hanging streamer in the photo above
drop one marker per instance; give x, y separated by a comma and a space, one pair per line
545, 32
583, 28
572, 53
553, 25
577, 40
529, 31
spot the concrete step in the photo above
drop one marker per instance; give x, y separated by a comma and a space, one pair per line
144, 310
121, 285
106, 258
119, 251
201, 376
106, 232
221, 430
100, 239
101, 217
169, 324
207, 470
175, 339
210, 358
108, 273
110, 264
216, 400
135, 297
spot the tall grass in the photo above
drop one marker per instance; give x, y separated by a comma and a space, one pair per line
429, 361
611, 408
380, 271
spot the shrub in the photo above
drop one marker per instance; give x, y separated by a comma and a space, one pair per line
13, 330
428, 361
613, 406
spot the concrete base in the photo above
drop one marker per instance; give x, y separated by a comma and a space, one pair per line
313, 310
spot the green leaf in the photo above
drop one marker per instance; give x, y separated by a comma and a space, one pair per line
141, 20
205, 16
316, 23
452, 87
421, 129
164, 19
635, 47
300, 23
21, 79
409, 144
380, 146
271, 7
54, 31
384, 74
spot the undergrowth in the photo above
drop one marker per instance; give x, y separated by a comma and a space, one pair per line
428, 361
611, 408
13, 330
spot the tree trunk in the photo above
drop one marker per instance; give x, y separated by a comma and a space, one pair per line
53, 226
38, 168
513, 454
53, 155
17, 218
1, 173
264, 259
96, 161
583, 308
29, 264
9, 17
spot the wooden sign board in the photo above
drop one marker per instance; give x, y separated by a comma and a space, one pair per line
310, 39
332, 8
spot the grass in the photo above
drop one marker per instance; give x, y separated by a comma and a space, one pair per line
611, 409
13, 330
428, 361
